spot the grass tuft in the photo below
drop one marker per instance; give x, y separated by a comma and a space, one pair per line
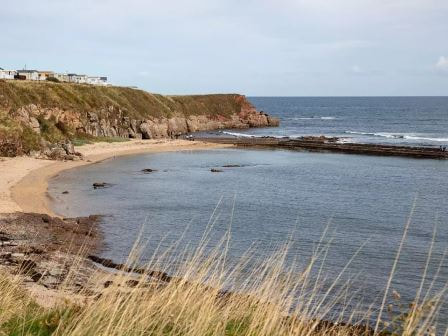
207, 295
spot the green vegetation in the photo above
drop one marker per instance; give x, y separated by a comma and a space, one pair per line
138, 104
15, 138
49, 130
273, 298
53, 79
84, 139
20, 315
77, 100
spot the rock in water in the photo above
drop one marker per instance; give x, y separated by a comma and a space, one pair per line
97, 185
214, 170
148, 170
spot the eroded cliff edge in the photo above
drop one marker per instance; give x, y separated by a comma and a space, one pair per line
35, 114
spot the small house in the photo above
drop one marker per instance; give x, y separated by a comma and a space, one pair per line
44, 75
61, 77
97, 80
7, 74
28, 74
75, 78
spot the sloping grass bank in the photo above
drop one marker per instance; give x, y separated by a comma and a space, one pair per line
138, 104
112, 104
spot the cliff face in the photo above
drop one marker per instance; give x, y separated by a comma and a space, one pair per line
55, 112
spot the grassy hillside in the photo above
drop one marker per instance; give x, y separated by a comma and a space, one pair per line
137, 103
17, 138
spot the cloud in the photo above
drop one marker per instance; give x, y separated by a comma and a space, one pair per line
442, 64
271, 47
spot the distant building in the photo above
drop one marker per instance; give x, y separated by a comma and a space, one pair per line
75, 78
97, 80
28, 74
7, 74
61, 77
44, 75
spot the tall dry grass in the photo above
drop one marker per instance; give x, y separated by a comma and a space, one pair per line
207, 294
12, 298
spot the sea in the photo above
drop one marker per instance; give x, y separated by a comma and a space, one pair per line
356, 206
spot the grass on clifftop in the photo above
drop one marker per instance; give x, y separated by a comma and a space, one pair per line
138, 104
79, 99
272, 299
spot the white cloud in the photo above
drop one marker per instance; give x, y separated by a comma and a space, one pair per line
442, 64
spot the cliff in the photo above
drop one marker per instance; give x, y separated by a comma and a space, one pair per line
35, 114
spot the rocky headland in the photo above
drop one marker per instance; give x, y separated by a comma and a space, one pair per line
45, 117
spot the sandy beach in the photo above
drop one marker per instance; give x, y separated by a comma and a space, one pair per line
24, 180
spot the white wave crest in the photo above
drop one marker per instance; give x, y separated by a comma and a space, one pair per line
239, 135
399, 136
244, 135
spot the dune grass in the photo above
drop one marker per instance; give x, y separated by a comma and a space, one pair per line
208, 295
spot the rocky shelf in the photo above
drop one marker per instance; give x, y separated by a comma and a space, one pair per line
325, 144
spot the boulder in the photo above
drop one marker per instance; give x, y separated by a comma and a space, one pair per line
68, 147
145, 130
55, 153
101, 185
60, 151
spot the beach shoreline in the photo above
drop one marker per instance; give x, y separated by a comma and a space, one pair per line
24, 183
36, 236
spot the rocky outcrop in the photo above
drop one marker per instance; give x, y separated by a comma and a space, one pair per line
113, 121
56, 112
34, 245
26, 115
63, 150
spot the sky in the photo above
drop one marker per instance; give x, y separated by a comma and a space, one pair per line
257, 48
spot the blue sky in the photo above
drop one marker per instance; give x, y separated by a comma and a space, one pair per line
264, 47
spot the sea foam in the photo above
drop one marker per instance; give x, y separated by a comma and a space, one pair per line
398, 136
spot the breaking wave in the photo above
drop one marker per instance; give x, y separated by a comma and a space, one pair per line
244, 135
240, 135
398, 136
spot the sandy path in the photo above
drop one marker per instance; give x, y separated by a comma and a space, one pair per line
24, 181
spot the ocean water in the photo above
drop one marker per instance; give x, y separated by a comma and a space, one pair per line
278, 196
416, 121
